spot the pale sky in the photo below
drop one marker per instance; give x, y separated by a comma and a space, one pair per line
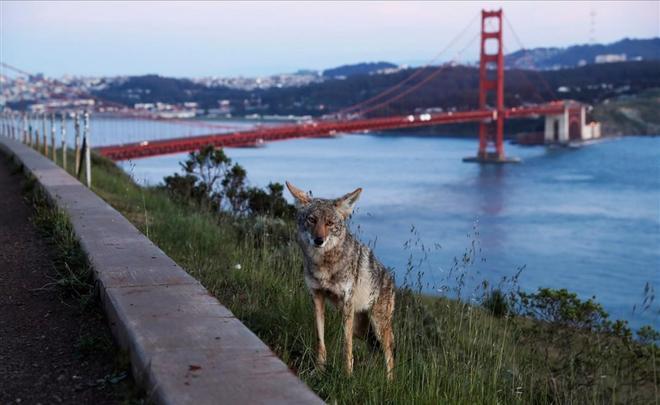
255, 38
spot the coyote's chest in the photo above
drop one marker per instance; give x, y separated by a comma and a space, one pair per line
354, 288
317, 278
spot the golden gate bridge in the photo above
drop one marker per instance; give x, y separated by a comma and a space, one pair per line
564, 119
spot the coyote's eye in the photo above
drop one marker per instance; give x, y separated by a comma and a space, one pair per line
330, 223
311, 219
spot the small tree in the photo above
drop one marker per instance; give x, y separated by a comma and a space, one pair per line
233, 189
208, 165
202, 171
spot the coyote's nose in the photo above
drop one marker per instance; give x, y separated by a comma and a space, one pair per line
318, 241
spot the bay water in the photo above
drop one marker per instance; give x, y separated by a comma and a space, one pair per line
585, 219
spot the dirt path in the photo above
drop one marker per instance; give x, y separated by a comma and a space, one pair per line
51, 351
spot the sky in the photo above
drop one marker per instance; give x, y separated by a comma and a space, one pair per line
193, 39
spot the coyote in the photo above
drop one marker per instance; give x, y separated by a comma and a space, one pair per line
343, 270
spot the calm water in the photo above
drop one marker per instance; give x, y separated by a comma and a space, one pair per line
584, 219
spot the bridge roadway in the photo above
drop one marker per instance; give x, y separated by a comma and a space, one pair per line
311, 130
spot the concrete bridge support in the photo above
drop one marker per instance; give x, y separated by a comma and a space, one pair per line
566, 127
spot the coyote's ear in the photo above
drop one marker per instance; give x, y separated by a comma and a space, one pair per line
346, 203
301, 197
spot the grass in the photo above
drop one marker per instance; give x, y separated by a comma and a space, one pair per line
446, 351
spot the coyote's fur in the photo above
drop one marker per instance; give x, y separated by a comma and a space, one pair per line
340, 268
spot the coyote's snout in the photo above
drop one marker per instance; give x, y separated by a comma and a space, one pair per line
346, 272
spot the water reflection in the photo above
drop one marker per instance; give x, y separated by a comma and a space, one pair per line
491, 182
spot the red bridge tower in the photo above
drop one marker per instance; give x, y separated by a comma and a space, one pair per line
491, 82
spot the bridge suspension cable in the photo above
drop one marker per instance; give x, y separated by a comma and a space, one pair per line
14, 69
419, 84
421, 70
522, 46
537, 95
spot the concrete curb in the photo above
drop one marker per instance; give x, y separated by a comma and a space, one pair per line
185, 347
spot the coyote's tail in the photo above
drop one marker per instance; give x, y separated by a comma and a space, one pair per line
362, 328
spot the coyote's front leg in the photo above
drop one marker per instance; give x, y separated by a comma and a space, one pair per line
319, 314
348, 316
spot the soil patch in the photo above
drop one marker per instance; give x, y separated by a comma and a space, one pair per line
52, 348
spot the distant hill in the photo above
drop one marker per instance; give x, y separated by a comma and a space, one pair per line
357, 69
579, 55
457, 87
155, 88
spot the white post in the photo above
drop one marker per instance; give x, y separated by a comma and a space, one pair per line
29, 131
17, 126
37, 140
14, 125
43, 132
63, 133
88, 154
52, 137
76, 123
25, 128
12, 122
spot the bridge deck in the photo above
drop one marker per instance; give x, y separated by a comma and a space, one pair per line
310, 130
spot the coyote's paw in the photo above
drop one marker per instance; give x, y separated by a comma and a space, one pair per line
320, 359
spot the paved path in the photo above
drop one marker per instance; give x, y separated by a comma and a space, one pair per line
40, 361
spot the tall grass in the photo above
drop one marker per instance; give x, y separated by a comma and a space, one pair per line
447, 351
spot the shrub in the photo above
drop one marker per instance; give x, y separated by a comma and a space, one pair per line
647, 335
211, 181
186, 188
563, 308
497, 303
271, 203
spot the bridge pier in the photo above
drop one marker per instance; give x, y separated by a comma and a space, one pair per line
491, 158
569, 126
565, 127
556, 129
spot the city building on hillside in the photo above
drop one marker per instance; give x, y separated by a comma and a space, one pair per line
610, 58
